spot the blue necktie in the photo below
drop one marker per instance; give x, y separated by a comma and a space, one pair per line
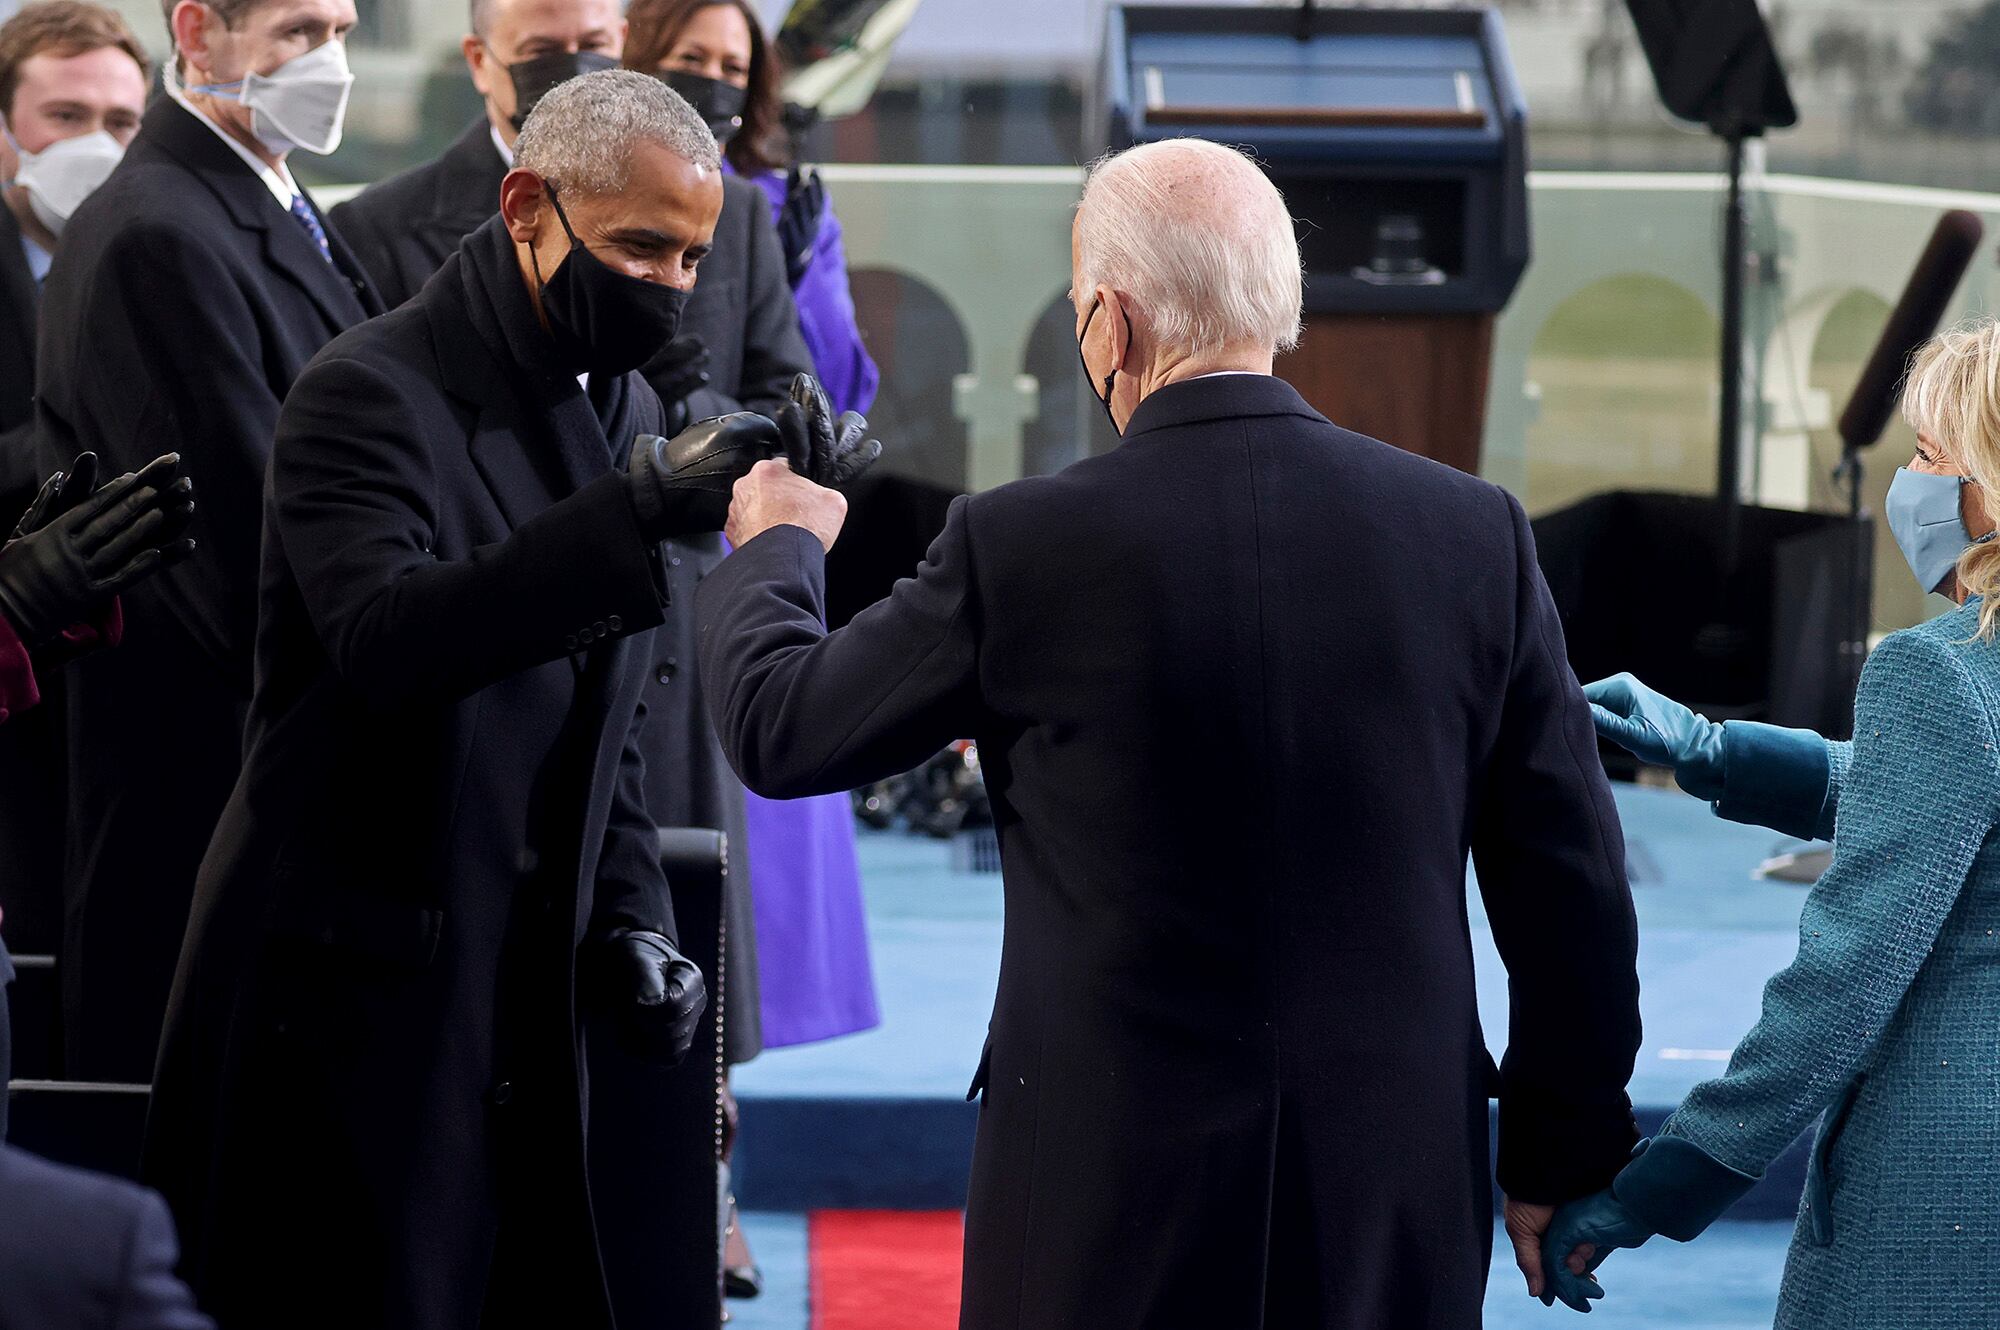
310, 221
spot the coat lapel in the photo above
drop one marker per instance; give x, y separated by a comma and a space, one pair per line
287, 249
17, 284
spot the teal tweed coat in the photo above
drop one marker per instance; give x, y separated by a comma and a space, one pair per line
1887, 1024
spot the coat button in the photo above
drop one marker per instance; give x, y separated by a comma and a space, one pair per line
599, 628
586, 637
500, 1093
667, 671
570, 642
617, 624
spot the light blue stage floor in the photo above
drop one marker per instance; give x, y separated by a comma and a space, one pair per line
1726, 1281
1711, 933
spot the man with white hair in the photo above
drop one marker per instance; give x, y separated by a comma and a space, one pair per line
369, 1106
1247, 689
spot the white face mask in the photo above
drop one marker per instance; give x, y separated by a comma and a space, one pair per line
61, 176
300, 104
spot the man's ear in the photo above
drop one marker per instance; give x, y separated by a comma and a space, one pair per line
1117, 326
521, 198
189, 26
477, 62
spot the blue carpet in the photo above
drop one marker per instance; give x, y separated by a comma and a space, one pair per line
1726, 1281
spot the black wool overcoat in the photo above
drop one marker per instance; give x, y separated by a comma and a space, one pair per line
370, 1085
182, 305
1247, 690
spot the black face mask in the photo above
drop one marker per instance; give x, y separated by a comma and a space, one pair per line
1111, 379
534, 78
603, 321
720, 104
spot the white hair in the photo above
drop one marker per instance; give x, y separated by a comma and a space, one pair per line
582, 133
1199, 238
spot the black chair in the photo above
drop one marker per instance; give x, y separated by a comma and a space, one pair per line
656, 1134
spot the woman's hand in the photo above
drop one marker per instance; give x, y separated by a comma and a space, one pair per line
1659, 730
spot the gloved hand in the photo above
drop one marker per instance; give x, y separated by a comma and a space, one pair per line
59, 493
681, 368
681, 486
1659, 730
1601, 1222
828, 452
653, 995
800, 218
84, 551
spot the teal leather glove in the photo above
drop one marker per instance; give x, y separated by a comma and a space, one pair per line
1659, 730
1671, 1186
1603, 1222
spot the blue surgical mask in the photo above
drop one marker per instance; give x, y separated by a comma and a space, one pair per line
1924, 516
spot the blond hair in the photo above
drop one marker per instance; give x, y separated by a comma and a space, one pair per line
1952, 397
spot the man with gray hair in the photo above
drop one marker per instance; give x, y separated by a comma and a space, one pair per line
369, 1107
1247, 690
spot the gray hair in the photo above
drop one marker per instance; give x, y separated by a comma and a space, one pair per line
1199, 238
582, 134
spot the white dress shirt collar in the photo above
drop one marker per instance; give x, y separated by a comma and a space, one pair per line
279, 180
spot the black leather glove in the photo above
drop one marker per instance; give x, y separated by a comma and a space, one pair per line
60, 572
680, 369
652, 995
800, 219
680, 486
825, 451
59, 493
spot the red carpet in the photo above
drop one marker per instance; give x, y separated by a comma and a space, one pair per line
885, 1269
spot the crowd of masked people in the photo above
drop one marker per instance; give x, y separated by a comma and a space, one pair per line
385, 686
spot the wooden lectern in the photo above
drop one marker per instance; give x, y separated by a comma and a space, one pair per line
1399, 140
1415, 380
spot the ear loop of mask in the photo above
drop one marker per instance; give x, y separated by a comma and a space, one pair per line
534, 259
1111, 379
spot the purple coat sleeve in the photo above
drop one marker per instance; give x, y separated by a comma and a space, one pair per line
826, 313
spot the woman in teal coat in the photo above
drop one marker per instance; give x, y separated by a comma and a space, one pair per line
1887, 1024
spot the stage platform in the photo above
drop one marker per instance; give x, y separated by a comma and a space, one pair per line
879, 1120
1726, 1281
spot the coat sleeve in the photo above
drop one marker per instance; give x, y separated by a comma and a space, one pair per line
183, 373
631, 885
1550, 857
773, 349
1918, 802
151, 1296
1778, 778
354, 504
800, 711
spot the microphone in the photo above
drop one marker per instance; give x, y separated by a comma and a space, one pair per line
1916, 317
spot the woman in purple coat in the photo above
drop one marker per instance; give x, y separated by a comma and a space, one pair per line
806, 889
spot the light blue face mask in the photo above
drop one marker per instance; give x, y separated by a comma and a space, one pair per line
1924, 517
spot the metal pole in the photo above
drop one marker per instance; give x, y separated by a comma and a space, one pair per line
1729, 439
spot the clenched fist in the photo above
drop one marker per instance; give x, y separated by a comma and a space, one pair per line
774, 495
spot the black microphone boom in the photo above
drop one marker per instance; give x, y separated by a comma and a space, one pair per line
1935, 279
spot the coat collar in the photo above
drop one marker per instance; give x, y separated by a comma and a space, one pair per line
17, 284
468, 184
1218, 397
343, 296
535, 423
